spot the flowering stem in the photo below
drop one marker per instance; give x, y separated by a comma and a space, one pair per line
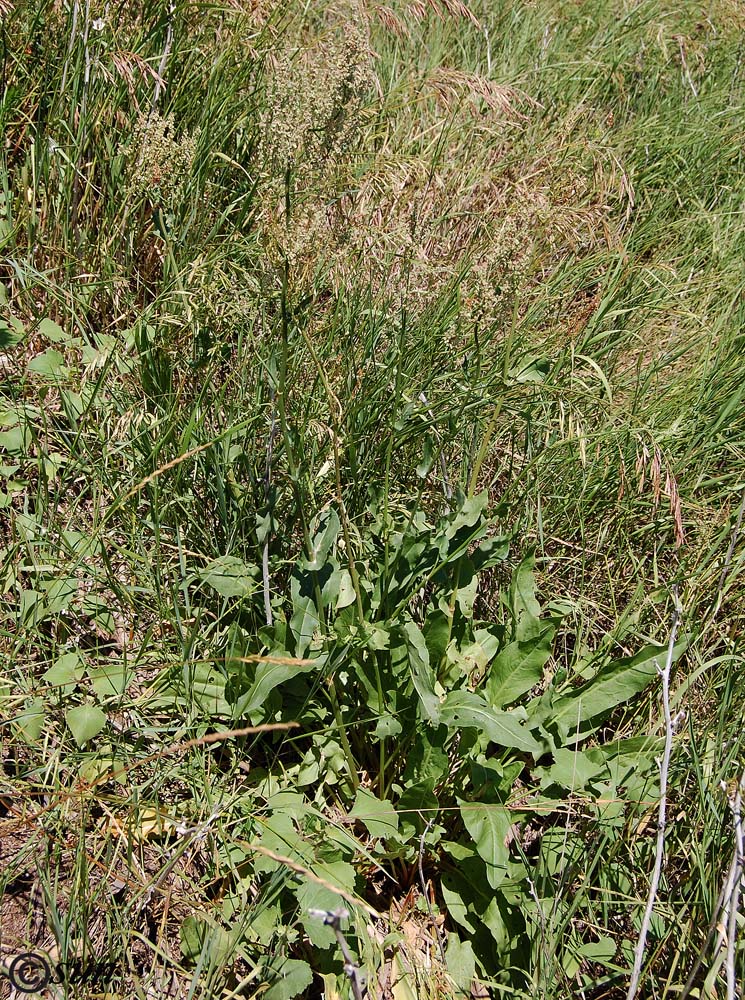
492, 425
293, 470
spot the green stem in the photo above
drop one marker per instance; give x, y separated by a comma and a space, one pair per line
282, 409
389, 459
292, 466
451, 618
335, 405
351, 763
480, 458
335, 411
492, 425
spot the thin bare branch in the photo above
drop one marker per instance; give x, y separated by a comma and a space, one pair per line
725, 908
423, 885
159, 83
333, 919
733, 906
295, 866
662, 814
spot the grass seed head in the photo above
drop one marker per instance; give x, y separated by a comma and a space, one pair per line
161, 162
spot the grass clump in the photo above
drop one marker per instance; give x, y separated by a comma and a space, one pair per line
371, 376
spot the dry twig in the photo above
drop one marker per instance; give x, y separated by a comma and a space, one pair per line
727, 904
662, 815
423, 884
732, 904
163, 67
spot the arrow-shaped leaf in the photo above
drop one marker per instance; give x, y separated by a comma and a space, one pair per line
489, 825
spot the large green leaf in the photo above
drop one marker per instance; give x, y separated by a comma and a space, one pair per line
206, 686
312, 896
428, 456
416, 806
268, 677
468, 515
30, 722
473, 657
490, 551
436, 631
230, 576
59, 593
49, 363
322, 542
461, 963
378, 816
65, 673
344, 592
465, 709
11, 332
518, 668
16, 439
421, 672
456, 903
427, 761
505, 921
279, 834
522, 601
613, 684
305, 621
468, 585
466, 892
490, 827
199, 936
110, 678
85, 722
53, 331
571, 770
290, 977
